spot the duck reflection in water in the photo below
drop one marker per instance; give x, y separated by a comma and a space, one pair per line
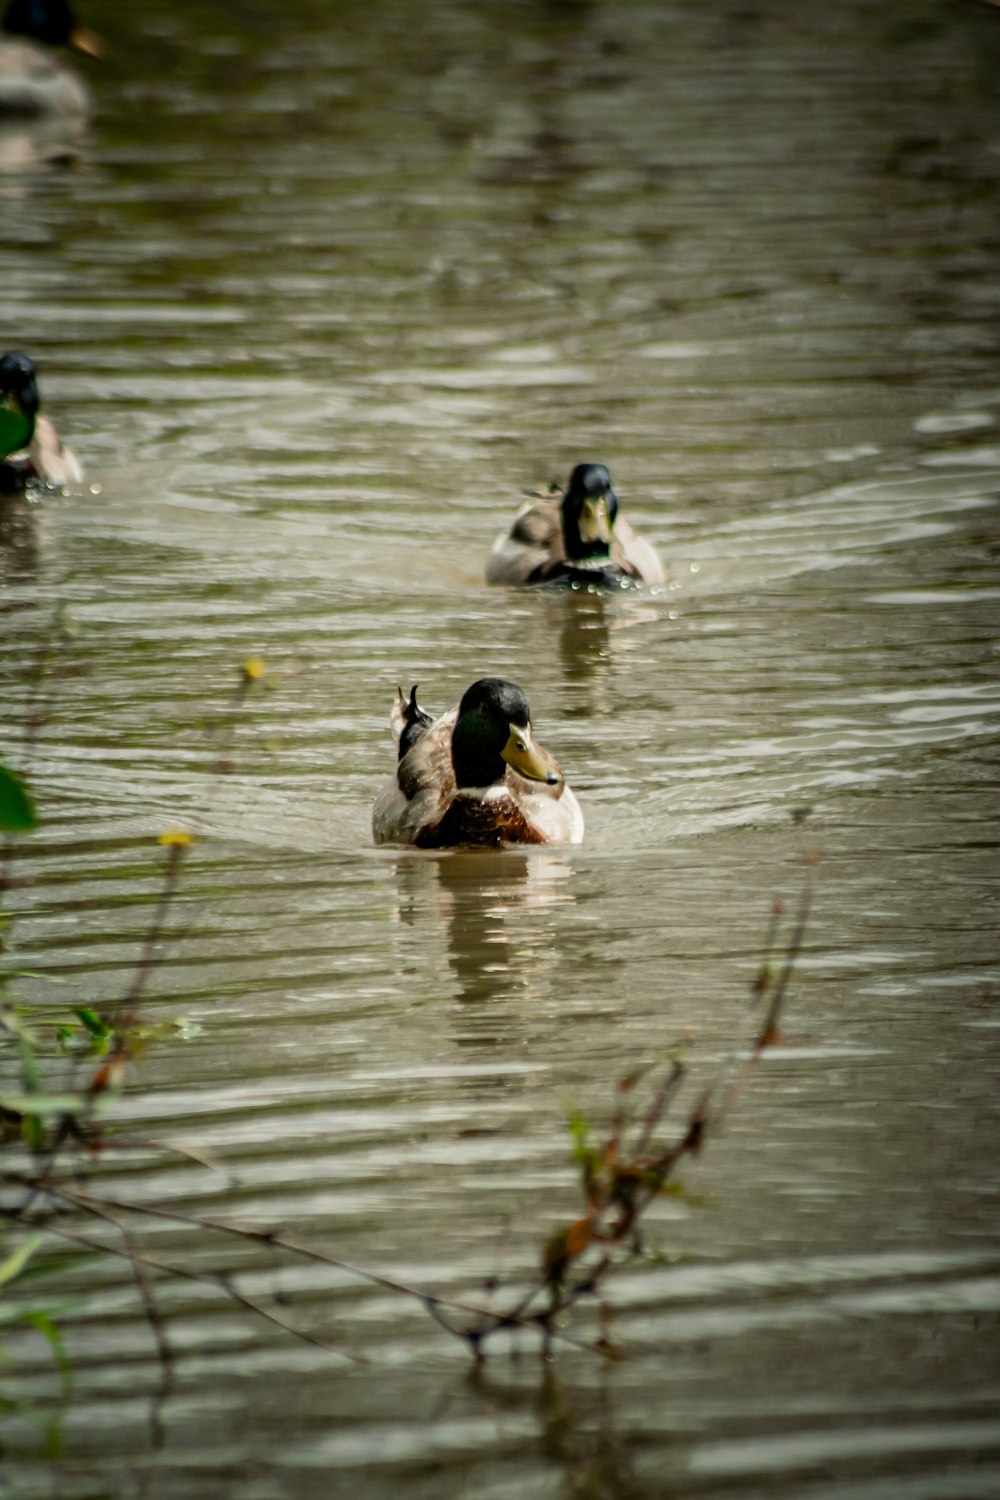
495, 908
585, 639
19, 550
595, 633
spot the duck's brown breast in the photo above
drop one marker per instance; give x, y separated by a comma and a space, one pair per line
468, 820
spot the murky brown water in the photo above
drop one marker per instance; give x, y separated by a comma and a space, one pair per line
328, 288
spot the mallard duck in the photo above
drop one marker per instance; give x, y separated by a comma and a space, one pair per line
33, 80
574, 538
29, 445
474, 776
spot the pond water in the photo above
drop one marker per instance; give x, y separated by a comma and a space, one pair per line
326, 289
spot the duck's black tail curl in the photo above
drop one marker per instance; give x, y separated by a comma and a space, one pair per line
415, 722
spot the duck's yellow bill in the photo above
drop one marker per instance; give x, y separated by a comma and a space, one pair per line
85, 41
595, 521
527, 758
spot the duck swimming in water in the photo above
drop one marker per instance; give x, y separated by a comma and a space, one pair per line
474, 776
29, 445
574, 538
34, 80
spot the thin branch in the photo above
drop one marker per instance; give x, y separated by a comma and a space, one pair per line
661, 1099
220, 1280
770, 1027
513, 1318
155, 1320
175, 857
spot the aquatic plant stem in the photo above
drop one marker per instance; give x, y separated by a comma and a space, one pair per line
171, 875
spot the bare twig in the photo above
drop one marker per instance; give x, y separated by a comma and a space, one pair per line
221, 1280
106, 1208
176, 850
156, 1324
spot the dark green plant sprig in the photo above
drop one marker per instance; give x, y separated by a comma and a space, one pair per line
20, 1263
17, 808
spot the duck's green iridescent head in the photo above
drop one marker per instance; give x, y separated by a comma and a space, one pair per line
492, 732
589, 509
50, 21
18, 402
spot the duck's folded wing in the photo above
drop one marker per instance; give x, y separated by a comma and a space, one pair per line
538, 523
637, 555
427, 765
51, 459
417, 795
533, 540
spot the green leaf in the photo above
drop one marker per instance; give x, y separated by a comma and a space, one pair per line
666, 1257
40, 1105
181, 1030
29, 1068
33, 974
51, 1263
18, 1259
40, 1319
55, 1263
92, 1021
13, 1024
578, 1129
676, 1189
17, 808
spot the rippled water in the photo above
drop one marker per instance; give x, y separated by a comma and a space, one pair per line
326, 290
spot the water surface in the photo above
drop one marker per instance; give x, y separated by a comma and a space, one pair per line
326, 290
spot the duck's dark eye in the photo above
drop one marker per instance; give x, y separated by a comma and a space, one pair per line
521, 745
